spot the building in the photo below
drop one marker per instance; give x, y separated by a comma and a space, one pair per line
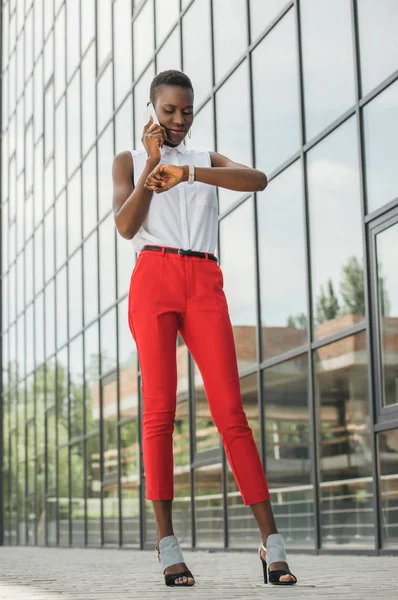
306, 91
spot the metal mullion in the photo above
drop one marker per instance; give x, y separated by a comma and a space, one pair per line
378, 89
367, 274
312, 404
1, 296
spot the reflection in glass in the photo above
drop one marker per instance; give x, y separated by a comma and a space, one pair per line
387, 449
230, 34
104, 33
48, 186
108, 357
328, 62
63, 496
209, 512
110, 457
49, 244
122, 51
60, 48
38, 98
127, 366
381, 131
387, 286
72, 36
288, 450
87, 23
242, 527
335, 223
49, 121
107, 265
92, 372
143, 38
347, 514
76, 389
202, 131
93, 491
282, 263
39, 329
90, 257
60, 230
238, 267
38, 259
77, 493
233, 115
276, 105
377, 21
196, 34
61, 313
60, 145
49, 295
125, 264
130, 483
75, 294
38, 183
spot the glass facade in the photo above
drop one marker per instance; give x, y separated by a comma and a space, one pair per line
290, 87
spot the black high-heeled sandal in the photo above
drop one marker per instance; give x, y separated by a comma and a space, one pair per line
275, 552
169, 553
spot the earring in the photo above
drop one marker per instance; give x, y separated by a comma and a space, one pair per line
190, 133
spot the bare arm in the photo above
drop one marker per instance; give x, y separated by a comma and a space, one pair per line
223, 173
130, 204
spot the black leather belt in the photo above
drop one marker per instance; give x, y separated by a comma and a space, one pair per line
181, 252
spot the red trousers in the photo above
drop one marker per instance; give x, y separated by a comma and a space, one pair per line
170, 293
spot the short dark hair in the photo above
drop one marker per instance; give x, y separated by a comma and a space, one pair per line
171, 77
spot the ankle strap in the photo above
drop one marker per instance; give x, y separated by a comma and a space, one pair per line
275, 549
170, 552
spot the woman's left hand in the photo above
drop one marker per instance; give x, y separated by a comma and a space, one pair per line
164, 177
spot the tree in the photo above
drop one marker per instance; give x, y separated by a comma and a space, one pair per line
352, 287
327, 306
298, 322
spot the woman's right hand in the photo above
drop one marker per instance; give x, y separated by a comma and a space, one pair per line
153, 138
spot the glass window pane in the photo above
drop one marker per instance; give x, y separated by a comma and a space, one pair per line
276, 103
125, 264
196, 34
61, 307
49, 121
127, 366
75, 294
381, 153
90, 256
29, 157
29, 340
50, 317
39, 258
59, 72
347, 512
74, 207
89, 192
282, 264
240, 280
122, 50
60, 230
49, 58
105, 159
60, 146
124, 126
38, 16
288, 450
92, 364
130, 483
328, 83
87, 23
88, 100
49, 247
233, 114
336, 240
141, 97
73, 104
105, 99
29, 44
38, 98
39, 329
76, 386
230, 34
48, 185
202, 130
387, 447
378, 42
209, 512
107, 231
143, 38
166, 16
387, 287
108, 354
29, 270
104, 33
73, 34
169, 57
48, 17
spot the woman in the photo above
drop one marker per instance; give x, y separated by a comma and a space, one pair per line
165, 201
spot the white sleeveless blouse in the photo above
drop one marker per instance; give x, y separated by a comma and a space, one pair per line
185, 216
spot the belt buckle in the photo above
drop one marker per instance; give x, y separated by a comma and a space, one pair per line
180, 251
183, 252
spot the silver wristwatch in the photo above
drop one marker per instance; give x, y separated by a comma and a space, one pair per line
191, 176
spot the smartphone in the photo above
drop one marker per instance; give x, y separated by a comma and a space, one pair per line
150, 112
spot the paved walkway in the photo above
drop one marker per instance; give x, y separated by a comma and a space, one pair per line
28, 573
